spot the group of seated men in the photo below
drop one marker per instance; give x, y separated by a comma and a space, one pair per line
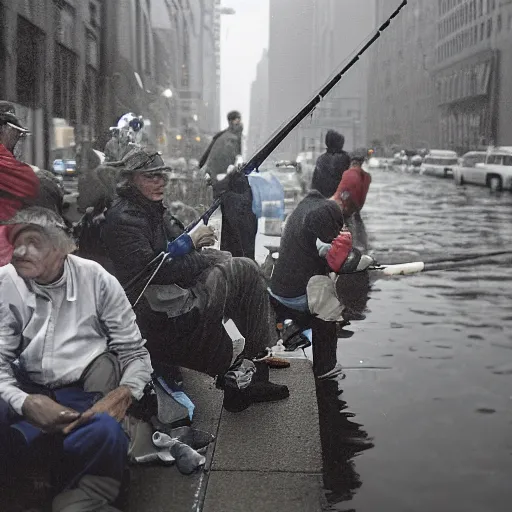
75, 340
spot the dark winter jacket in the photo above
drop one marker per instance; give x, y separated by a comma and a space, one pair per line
331, 165
314, 217
136, 230
223, 153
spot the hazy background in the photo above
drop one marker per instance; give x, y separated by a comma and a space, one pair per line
244, 35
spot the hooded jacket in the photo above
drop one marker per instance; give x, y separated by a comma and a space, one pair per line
331, 165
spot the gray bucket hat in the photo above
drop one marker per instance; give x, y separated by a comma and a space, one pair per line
141, 160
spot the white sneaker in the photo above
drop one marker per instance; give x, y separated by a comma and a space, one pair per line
335, 372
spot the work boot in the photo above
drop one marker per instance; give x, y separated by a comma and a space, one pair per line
240, 391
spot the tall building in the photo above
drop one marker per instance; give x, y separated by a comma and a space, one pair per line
188, 39
441, 75
474, 73
50, 68
308, 42
402, 104
258, 123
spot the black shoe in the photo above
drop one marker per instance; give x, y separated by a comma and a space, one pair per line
259, 390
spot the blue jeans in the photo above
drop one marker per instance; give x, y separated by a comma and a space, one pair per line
98, 448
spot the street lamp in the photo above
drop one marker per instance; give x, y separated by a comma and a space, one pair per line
167, 93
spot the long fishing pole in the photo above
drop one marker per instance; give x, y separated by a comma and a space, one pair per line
416, 267
464, 257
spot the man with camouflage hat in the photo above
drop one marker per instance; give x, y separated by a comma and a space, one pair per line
72, 360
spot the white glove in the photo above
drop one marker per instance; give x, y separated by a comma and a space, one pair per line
365, 262
322, 248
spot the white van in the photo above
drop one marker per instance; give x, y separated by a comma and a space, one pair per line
467, 170
439, 162
495, 172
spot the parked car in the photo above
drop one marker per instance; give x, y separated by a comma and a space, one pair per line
439, 162
292, 182
466, 171
64, 167
495, 172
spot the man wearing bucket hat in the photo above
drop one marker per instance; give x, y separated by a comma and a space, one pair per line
182, 311
18, 182
72, 360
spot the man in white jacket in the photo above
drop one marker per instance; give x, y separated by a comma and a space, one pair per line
72, 361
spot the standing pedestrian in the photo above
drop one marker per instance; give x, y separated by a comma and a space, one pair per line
331, 165
239, 223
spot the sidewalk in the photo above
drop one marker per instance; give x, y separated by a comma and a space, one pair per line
265, 458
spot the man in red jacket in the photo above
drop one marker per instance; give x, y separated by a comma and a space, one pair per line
353, 187
18, 182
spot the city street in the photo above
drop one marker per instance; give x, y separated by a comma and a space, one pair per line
428, 372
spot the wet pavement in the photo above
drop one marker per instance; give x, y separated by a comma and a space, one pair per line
423, 419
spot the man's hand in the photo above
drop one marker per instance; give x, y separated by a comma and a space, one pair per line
203, 236
46, 414
115, 404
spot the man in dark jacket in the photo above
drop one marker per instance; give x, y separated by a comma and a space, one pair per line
181, 313
224, 147
331, 165
315, 244
239, 223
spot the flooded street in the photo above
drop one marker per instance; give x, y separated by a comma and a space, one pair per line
426, 419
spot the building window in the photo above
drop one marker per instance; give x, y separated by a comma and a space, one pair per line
499, 23
489, 28
29, 46
482, 29
92, 50
65, 25
65, 78
89, 100
480, 7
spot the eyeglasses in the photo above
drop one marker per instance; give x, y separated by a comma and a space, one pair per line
155, 176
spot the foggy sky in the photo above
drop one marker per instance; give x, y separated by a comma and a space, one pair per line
243, 38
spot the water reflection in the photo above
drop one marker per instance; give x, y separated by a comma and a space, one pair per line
342, 440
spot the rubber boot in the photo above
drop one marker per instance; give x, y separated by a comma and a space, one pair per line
260, 389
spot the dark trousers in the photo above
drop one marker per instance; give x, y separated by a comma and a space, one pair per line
90, 460
325, 340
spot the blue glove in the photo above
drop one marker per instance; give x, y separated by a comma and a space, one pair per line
180, 246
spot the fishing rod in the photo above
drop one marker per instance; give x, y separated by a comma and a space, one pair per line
467, 256
416, 267
262, 154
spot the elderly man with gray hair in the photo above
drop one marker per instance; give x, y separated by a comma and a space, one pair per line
72, 361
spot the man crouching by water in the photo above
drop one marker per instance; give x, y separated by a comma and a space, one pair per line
314, 244
72, 361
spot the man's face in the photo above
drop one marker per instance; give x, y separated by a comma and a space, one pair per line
9, 137
34, 255
151, 184
236, 125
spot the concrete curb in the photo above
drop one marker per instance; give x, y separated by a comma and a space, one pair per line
265, 458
